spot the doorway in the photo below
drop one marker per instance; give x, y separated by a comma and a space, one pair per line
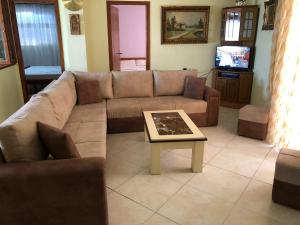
129, 35
38, 43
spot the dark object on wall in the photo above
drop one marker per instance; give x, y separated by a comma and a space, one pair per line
269, 15
185, 24
7, 55
239, 25
75, 24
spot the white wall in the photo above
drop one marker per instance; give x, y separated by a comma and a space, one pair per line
260, 92
198, 56
74, 45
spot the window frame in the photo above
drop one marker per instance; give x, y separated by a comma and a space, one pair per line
5, 24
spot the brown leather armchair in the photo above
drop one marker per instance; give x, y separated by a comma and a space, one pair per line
53, 192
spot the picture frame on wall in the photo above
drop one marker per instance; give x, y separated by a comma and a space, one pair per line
7, 53
75, 24
269, 15
185, 24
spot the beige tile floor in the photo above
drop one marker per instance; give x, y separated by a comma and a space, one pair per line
234, 188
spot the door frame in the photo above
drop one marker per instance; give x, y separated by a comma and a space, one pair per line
12, 5
145, 3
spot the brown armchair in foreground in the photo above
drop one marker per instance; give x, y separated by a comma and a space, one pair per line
53, 192
286, 187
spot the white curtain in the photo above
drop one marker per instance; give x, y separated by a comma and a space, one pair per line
38, 34
284, 125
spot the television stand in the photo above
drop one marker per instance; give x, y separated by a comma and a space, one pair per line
235, 87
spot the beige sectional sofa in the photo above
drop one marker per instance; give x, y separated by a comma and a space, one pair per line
126, 95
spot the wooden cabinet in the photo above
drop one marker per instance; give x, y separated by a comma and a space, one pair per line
239, 25
235, 87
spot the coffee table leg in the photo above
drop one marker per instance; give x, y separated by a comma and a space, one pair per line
197, 157
155, 158
146, 134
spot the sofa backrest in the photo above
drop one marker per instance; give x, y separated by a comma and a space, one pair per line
132, 84
105, 80
19, 138
171, 82
62, 95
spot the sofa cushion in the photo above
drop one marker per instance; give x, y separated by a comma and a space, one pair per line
19, 138
87, 127
194, 87
171, 82
134, 107
123, 108
257, 114
92, 149
133, 84
62, 99
88, 91
105, 80
288, 167
88, 113
58, 143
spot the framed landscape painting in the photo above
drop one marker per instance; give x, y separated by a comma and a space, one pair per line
185, 24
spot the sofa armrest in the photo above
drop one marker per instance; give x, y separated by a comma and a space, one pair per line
212, 97
69, 192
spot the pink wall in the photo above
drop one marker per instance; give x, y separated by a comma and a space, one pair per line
132, 30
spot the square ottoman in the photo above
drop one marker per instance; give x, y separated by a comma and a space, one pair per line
253, 122
286, 186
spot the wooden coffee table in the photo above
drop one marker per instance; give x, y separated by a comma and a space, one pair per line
173, 129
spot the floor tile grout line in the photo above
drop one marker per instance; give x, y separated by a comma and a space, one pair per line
245, 189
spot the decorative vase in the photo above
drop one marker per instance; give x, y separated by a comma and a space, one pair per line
240, 2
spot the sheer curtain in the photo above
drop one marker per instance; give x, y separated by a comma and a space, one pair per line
284, 125
38, 34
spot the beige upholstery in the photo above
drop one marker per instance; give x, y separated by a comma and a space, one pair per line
87, 127
171, 82
133, 84
19, 138
62, 98
88, 113
92, 149
105, 80
123, 108
133, 107
254, 113
69, 77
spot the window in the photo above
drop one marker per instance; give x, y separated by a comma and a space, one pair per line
6, 53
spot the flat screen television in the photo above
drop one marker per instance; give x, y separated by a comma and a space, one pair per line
233, 57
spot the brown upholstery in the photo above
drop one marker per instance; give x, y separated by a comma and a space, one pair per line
286, 186
132, 84
212, 97
253, 122
194, 87
59, 144
256, 114
68, 192
88, 92
105, 80
171, 82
